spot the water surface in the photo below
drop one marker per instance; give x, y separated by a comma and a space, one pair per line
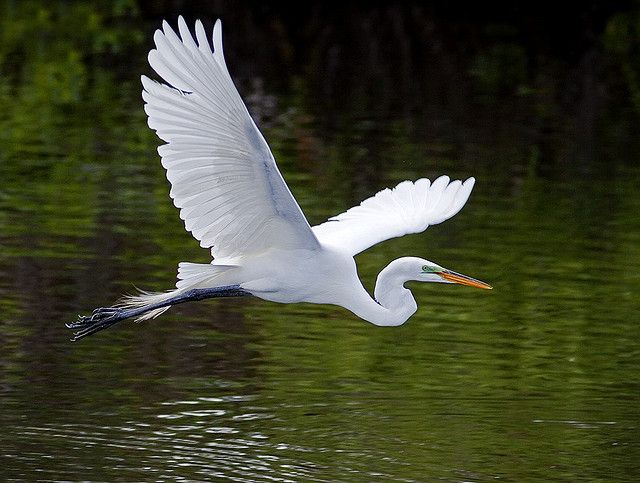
535, 380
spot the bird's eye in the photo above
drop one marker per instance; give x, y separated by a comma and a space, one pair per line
426, 268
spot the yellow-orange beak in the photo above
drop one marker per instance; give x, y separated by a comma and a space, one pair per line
454, 277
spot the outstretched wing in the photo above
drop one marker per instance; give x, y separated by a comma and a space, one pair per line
407, 208
223, 176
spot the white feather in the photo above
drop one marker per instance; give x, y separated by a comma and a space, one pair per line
144, 299
407, 208
190, 276
223, 177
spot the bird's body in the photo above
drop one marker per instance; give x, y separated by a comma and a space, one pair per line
279, 275
233, 199
322, 276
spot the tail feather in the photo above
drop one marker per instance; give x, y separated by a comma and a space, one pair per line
190, 275
144, 299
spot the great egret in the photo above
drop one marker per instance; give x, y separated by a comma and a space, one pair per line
233, 199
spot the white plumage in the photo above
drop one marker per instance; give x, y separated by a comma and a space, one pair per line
234, 200
223, 177
407, 208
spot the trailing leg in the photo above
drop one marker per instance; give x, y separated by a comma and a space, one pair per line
104, 317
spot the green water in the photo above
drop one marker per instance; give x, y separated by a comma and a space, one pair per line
537, 380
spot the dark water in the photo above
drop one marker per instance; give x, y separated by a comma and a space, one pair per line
537, 380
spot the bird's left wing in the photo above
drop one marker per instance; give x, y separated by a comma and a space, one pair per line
407, 208
223, 176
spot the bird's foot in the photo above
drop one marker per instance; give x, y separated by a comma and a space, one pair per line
100, 319
97, 315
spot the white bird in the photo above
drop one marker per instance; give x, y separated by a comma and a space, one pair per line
234, 200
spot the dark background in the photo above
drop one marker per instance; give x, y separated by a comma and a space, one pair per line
561, 76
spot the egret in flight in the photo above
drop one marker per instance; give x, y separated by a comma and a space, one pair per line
234, 201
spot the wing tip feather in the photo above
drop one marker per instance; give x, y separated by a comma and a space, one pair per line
409, 207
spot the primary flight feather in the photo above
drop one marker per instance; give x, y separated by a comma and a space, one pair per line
234, 201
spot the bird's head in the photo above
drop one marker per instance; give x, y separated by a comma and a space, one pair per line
427, 271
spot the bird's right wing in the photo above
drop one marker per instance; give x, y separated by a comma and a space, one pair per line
407, 208
223, 176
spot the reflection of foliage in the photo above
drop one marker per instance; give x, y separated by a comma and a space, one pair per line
84, 212
500, 69
49, 53
61, 110
622, 39
35, 29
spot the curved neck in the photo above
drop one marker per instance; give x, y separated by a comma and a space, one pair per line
393, 303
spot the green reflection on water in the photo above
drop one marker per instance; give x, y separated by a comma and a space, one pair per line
537, 379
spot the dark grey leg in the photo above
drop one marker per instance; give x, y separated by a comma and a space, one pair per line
104, 317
